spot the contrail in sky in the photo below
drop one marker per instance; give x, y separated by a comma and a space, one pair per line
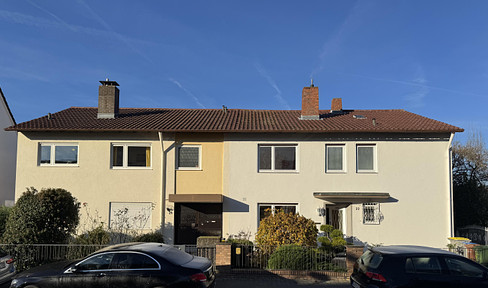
187, 92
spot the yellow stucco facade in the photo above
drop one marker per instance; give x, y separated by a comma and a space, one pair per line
208, 178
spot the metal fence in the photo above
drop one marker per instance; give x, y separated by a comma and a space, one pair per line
287, 258
31, 255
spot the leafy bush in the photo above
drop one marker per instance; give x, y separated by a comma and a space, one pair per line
150, 237
46, 217
241, 238
95, 236
4, 212
283, 228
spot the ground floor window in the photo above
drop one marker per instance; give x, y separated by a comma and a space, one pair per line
371, 213
267, 209
193, 220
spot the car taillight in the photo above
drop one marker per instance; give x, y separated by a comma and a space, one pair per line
375, 276
199, 277
10, 261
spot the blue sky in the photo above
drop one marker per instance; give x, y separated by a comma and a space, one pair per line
427, 57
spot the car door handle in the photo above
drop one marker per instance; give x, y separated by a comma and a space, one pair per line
101, 275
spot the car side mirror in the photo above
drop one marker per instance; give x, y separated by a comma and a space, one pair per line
72, 269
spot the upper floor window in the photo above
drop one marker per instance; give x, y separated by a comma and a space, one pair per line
366, 158
58, 154
189, 157
335, 158
131, 155
277, 157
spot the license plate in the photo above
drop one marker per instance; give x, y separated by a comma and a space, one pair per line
355, 285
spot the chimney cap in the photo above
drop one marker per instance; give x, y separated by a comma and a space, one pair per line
109, 83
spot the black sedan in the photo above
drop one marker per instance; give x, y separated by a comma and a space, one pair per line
124, 265
416, 266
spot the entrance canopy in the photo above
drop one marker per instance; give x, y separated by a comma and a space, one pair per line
344, 199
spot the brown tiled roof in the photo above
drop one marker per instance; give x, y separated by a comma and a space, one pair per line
235, 121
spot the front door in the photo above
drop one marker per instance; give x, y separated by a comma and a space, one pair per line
193, 220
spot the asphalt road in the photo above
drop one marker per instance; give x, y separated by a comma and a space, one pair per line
259, 281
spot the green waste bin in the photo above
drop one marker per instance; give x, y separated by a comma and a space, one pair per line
481, 254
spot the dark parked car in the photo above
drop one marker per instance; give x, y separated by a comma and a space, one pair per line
124, 265
416, 266
7, 268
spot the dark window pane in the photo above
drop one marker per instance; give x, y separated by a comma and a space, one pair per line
264, 211
46, 154
66, 154
133, 261
428, 265
286, 209
117, 156
285, 158
463, 268
138, 156
98, 262
365, 158
188, 157
334, 158
264, 158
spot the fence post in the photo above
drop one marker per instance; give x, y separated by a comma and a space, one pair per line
223, 254
352, 254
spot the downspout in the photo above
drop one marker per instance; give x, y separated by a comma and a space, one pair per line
451, 195
163, 182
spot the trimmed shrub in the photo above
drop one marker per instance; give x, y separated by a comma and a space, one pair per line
290, 257
333, 239
150, 237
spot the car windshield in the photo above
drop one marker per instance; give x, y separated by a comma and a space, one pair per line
371, 259
175, 256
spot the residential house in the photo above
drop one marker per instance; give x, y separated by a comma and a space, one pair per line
8, 151
381, 176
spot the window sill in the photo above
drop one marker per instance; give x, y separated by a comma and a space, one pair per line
367, 172
132, 168
59, 165
189, 169
335, 172
278, 171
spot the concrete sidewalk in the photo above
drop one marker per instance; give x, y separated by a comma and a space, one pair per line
272, 281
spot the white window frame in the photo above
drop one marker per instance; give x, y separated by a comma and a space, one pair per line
52, 156
375, 160
125, 157
199, 157
273, 170
146, 207
374, 208
343, 146
273, 208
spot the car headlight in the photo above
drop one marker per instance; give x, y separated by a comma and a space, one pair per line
14, 282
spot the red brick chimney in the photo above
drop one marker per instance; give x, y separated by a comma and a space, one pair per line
336, 105
108, 99
310, 103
